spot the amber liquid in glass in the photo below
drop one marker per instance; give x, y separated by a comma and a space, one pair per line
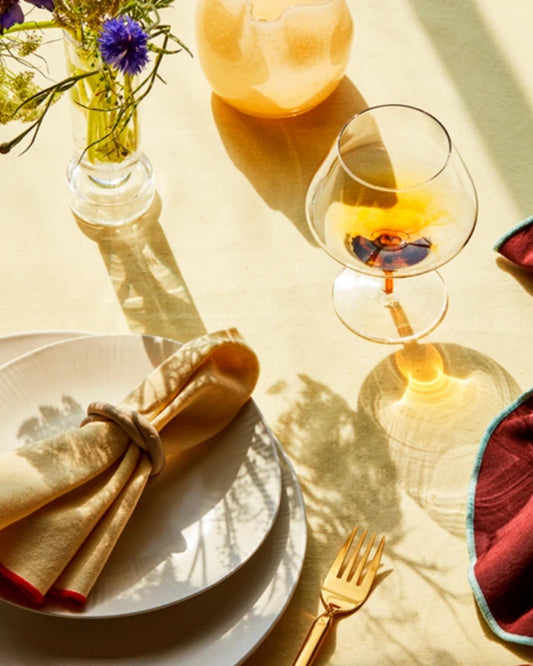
388, 251
386, 229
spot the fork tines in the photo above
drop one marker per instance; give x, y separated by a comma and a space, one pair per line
351, 568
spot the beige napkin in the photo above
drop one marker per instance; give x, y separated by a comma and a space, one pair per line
65, 500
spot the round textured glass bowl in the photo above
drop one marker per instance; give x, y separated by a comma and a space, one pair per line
273, 58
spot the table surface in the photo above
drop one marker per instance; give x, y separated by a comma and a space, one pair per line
228, 246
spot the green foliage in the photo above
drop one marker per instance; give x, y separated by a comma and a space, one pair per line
80, 16
108, 98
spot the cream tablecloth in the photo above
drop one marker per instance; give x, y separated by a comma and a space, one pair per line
229, 246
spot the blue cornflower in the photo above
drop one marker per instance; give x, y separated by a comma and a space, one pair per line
122, 44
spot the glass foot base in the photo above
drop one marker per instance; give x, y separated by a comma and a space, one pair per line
112, 194
413, 309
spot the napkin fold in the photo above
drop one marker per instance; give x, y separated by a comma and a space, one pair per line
517, 244
500, 523
65, 500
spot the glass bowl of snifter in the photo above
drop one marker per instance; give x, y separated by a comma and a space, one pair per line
392, 202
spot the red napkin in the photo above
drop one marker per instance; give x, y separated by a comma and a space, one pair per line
500, 523
517, 244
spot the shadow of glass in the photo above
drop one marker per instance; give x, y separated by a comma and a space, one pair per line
353, 465
349, 476
477, 65
433, 404
280, 157
146, 278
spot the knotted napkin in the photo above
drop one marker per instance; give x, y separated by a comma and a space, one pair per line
500, 521
517, 244
65, 500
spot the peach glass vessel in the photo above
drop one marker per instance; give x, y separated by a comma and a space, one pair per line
273, 58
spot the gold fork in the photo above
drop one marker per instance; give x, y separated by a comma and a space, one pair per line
344, 589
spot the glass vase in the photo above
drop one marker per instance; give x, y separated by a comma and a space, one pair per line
110, 180
273, 58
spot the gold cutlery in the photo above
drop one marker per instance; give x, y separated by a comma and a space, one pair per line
345, 588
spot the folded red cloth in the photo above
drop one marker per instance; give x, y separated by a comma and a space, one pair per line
517, 244
500, 523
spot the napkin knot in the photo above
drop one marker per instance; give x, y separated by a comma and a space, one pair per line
136, 426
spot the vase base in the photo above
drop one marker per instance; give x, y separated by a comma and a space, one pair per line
112, 195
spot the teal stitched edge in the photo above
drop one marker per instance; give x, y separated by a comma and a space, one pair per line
512, 232
478, 594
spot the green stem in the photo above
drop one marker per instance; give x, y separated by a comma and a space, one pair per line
43, 97
30, 25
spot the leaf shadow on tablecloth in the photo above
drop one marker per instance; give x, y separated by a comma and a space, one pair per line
347, 478
279, 157
358, 463
148, 283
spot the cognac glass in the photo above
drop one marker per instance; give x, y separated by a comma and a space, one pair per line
392, 202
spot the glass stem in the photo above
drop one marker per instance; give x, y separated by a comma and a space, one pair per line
399, 317
400, 320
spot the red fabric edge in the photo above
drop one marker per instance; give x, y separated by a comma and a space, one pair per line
22, 584
70, 595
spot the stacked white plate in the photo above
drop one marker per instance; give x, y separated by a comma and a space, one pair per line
213, 552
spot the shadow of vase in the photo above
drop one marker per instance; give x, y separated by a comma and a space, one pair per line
279, 157
434, 403
147, 281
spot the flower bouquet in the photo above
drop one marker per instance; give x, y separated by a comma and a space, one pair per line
114, 49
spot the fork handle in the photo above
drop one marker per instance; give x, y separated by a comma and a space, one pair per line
314, 639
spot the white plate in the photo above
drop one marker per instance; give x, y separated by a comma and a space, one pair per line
198, 521
17, 344
222, 627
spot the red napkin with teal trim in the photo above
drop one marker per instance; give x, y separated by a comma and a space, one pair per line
500, 523
517, 244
